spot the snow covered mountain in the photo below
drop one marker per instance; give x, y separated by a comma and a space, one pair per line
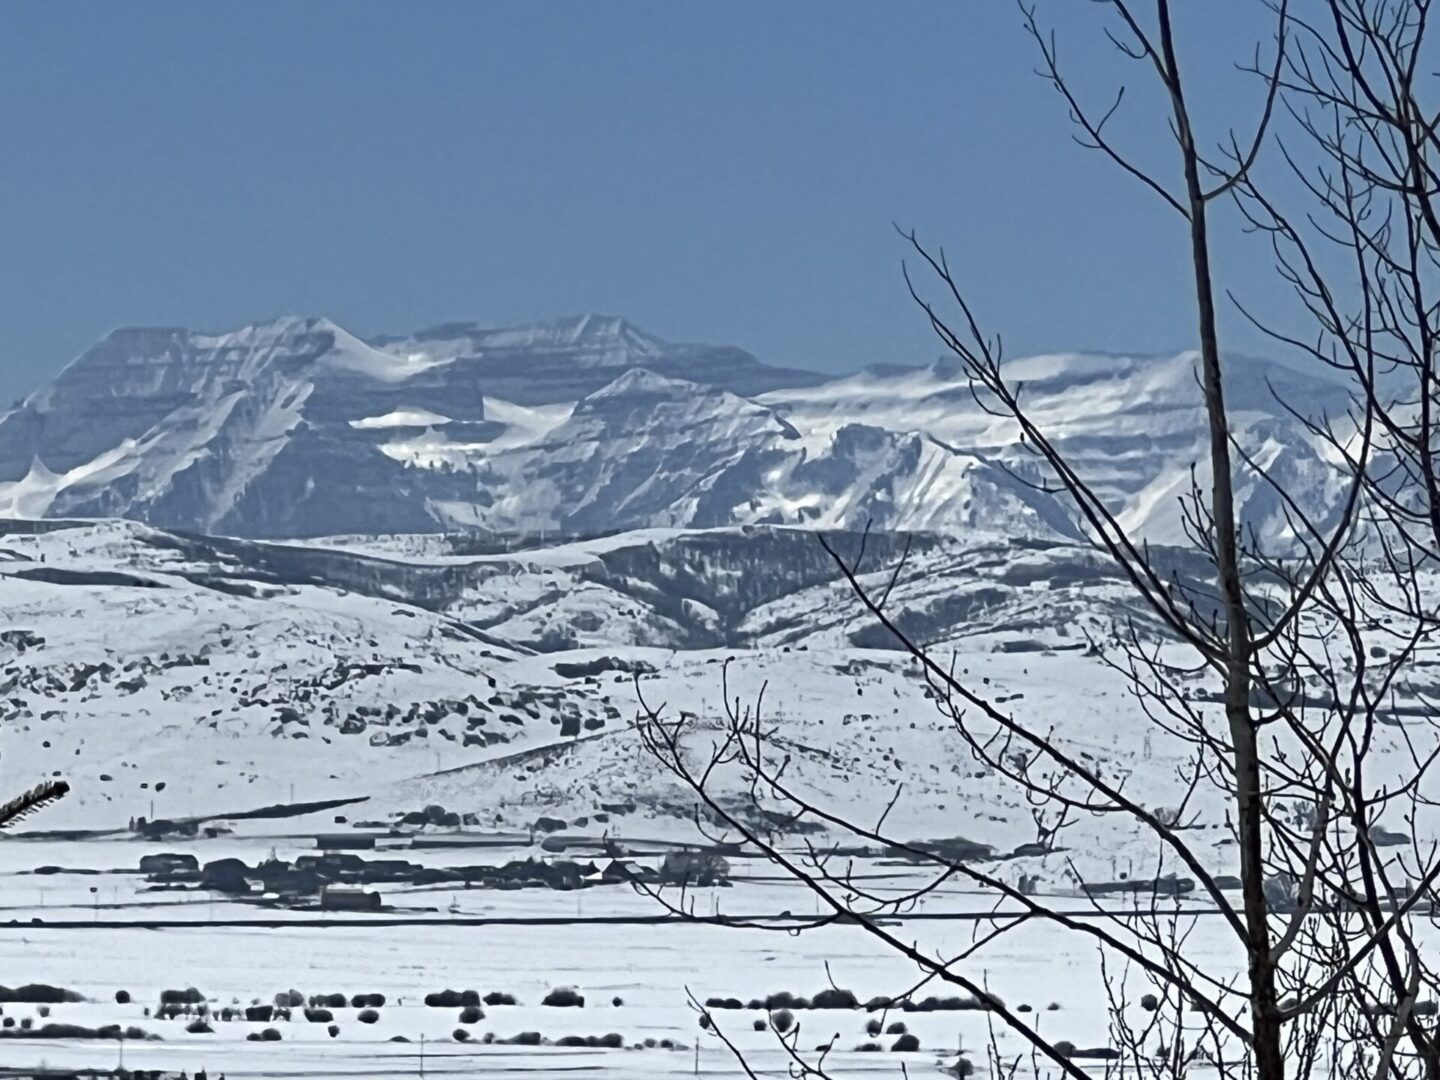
297, 428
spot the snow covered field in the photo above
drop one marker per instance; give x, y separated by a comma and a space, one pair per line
653, 970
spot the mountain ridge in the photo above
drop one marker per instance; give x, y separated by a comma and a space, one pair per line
296, 427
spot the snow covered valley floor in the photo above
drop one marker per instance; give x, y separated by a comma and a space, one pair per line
101, 933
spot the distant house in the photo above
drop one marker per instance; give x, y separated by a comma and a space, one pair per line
348, 898
226, 875
278, 876
169, 862
694, 868
334, 865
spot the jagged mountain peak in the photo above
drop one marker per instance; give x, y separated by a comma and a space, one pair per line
296, 426
639, 380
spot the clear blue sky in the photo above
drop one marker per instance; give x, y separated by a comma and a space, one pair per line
722, 172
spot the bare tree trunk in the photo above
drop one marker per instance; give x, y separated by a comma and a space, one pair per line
1249, 794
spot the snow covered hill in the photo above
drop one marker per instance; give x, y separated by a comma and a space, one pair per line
297, 428
183, 676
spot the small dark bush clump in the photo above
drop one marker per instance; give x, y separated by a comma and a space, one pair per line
334, 1030
268, 1035
38, 992
564, 997
760, 1025
199, 1027
471, 1015
782, 1021
78, 1031
188, 996
460, 1035
897, 1028
611, 1041
368, 1016
784, 1000
319, 1016
906, 1044
122, 997
495, 997
872, 1027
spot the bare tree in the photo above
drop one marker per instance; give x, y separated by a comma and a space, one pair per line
1310, 642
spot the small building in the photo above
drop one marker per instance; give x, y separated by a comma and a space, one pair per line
694, 868
348, 898
226, 875
332, 865
169, 862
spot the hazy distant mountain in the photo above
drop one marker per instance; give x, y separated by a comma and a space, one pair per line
586, 425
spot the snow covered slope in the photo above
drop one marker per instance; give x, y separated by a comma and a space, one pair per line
297, 428
181, 676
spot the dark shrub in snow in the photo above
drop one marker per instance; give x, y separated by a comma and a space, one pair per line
38, 992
